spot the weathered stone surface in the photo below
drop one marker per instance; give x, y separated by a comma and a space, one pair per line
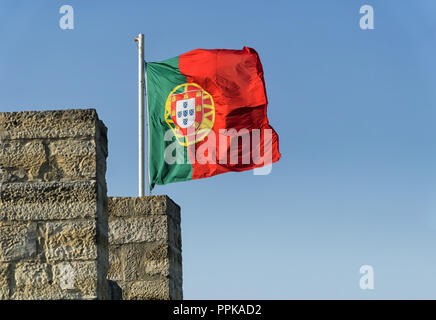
75, 158
119, 206
156, 267
68, 280
71, 240
17, 241
48, 124
83, 274
43, 192
131, 230
115, 267
145, 240
143, 206
21, 160
41, 292
158, 205
4, 281
32, 274
147, 290
142, 261
53, 204
48, 200
154, 250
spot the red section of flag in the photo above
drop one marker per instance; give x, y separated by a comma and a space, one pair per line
235, 80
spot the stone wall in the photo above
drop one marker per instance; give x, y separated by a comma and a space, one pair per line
145, 247
53, 219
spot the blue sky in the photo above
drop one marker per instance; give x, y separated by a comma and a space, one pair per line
354, 109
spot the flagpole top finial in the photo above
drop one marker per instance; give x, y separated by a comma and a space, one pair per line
139, 37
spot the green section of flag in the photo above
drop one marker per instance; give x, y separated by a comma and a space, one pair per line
162, 78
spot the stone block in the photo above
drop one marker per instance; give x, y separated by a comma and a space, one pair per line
76, 159
48, 124
138, 229
155, 205
147, 290
78, 277
48, 200
143, 206
21, 160
142, 261
120, 207
154, 250
41, 292
66, 280
32, 274
145, 239
17, 241
71, 240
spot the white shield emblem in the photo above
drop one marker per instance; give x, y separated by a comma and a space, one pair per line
185, 110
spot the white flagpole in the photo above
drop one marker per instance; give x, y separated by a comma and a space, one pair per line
148, 133
141, 86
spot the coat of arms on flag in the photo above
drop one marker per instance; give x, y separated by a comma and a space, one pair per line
190, 113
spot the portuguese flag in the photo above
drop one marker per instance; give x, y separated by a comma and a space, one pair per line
207, 115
